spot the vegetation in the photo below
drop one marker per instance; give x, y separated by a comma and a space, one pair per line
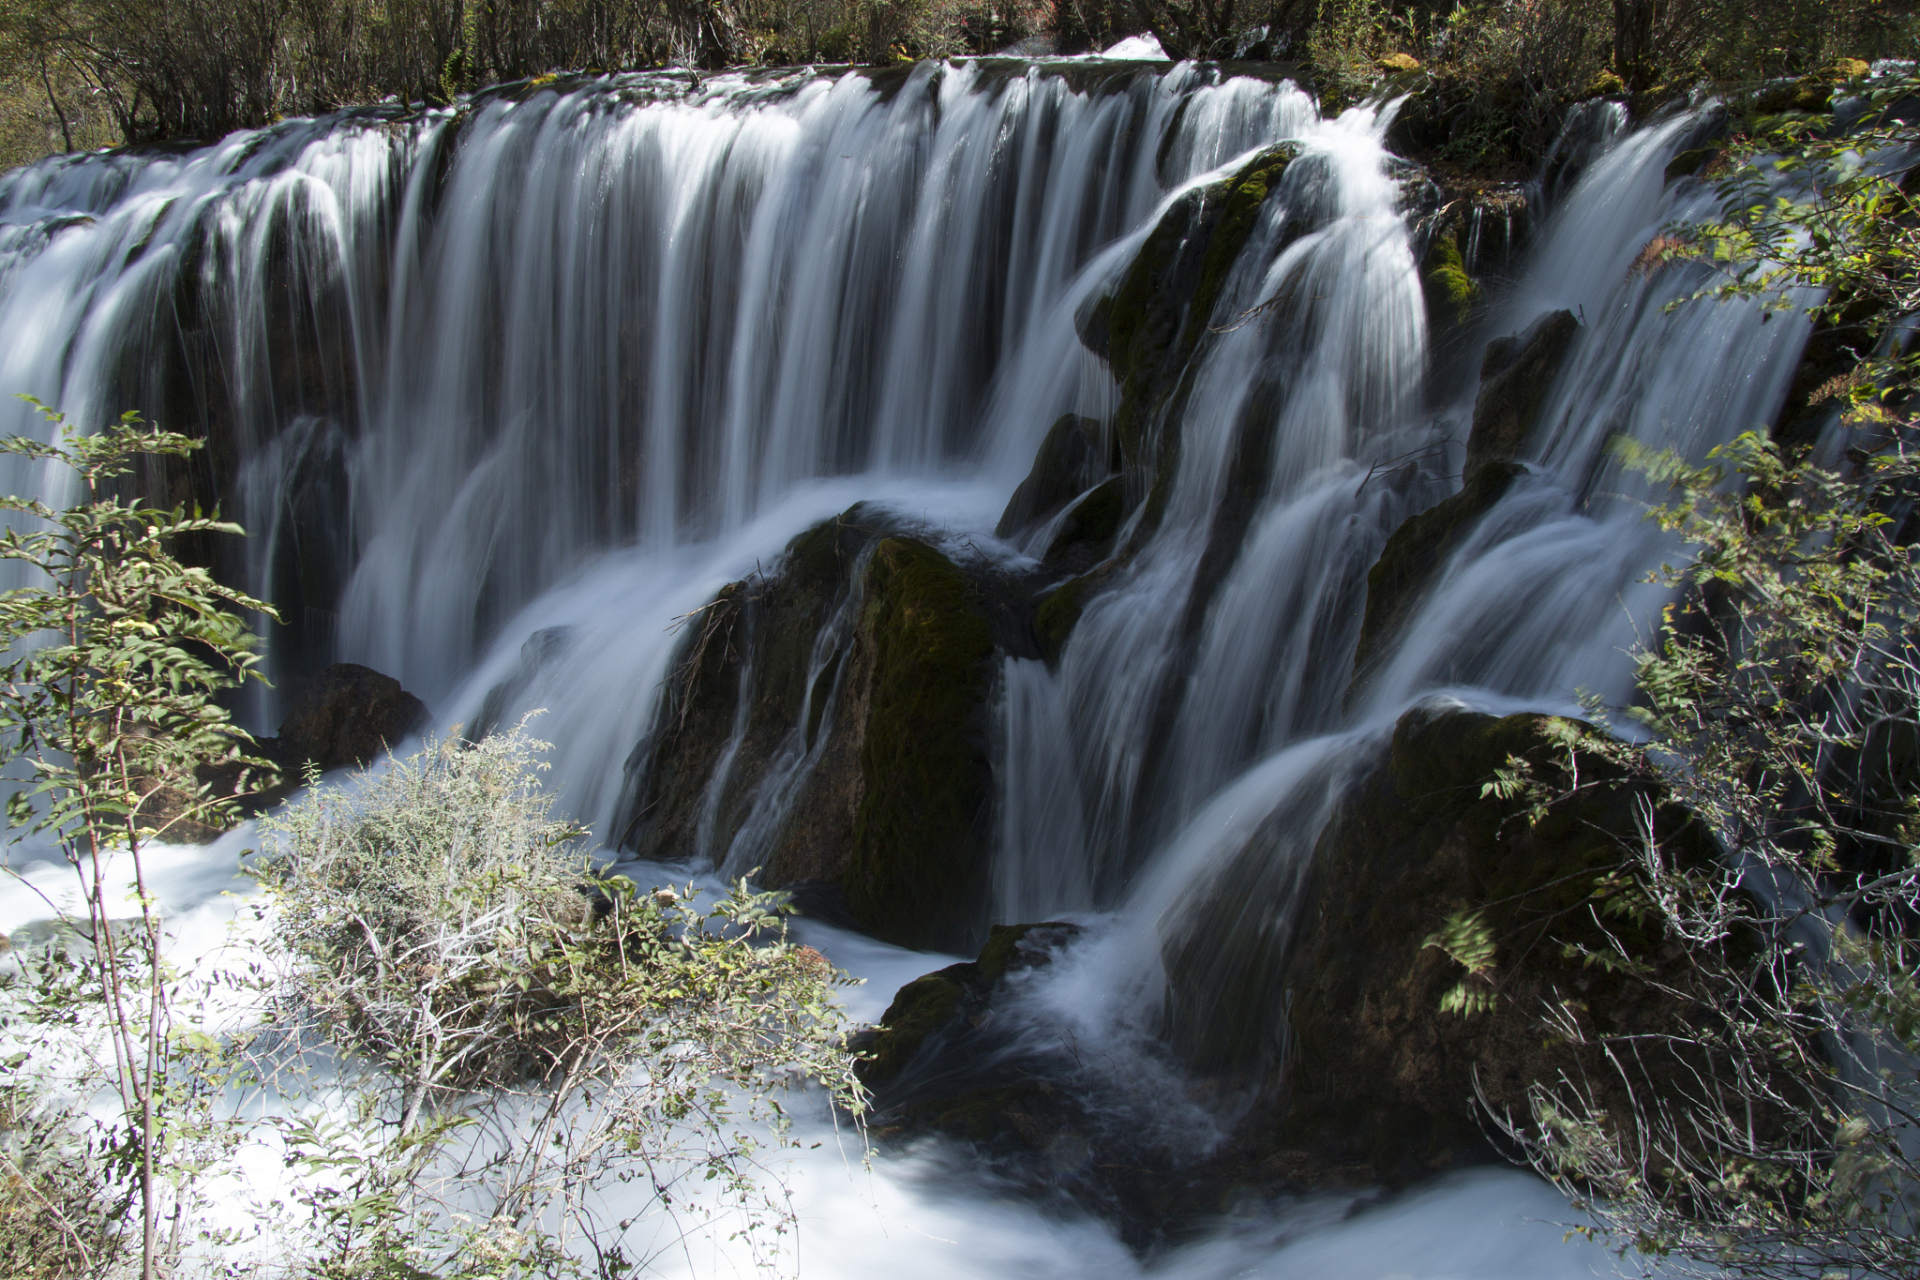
114, 654
452, 1016
1779, 703
528, 1042
83, 73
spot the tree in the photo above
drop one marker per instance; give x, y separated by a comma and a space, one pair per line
115, 653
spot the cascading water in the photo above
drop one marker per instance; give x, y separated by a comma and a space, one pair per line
504, 392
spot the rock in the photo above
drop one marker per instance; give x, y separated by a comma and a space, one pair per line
682, 803
916, 871
1385, 1075
1070, 460
1398, 582
1397, 63
1377, 1074
942, 1003
1148, 329
347, 715
1451, 292
1086, 535
1465, 228
1693, 161
1516, 374
865, 659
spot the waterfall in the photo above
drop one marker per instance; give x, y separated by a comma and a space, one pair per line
505, 393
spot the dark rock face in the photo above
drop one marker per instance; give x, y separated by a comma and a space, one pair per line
1148, 329
858, 673
1416, 553
1515, 375
1378, 1075
347, 715
921, 832
1071, 459
940, 1005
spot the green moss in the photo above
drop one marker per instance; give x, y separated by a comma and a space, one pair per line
919, 832
1059, 613
1452, 293
922, 1007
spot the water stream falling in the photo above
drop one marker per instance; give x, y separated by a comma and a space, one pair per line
502, 392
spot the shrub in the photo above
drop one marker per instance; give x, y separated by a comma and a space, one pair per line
532, 1033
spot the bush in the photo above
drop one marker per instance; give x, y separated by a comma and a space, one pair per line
527, 1033
1781, 704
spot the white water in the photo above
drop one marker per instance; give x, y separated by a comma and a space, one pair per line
512, 390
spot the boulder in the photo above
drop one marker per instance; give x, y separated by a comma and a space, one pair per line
345, 716
1515, 375
864, 659
1071, 459
1380, 1072
1149, 327
938, 1006
916, 869
1400, 579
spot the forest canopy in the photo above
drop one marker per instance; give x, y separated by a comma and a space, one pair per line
88, 73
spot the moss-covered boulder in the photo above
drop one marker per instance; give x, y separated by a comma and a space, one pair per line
1410, 563
833, 713
1071, 459
916, 869
937, 1006
1516, 374
1149, 327
1384, 1069
693, 779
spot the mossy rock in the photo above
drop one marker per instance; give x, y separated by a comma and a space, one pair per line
1400, 579
1385, 1076
764, 625
1071, 459
944, 1002
1516, 374
1059, 613
1451, 292
916, 871
1148, 329
1086, 535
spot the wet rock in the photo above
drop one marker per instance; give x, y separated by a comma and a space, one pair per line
921, 838
941, 1004
1148, 329
1380, 1075
1085, 536
1516, 374
833, 714
1399, 580
345, 716
1071, 459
